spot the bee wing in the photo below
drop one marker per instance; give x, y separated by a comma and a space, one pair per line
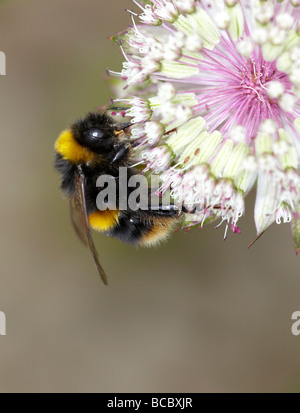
84, 230
76, 219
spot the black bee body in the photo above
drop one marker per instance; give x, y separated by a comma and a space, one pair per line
93, 147
95, 159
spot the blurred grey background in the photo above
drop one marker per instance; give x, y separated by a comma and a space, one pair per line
195, 315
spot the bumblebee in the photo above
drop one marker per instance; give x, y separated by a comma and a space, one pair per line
95, 146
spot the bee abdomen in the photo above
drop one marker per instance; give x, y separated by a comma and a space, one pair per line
134, 229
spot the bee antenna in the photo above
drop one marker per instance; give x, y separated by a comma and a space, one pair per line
125, 125
117, 108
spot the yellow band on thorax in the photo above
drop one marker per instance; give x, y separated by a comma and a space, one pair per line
71, 150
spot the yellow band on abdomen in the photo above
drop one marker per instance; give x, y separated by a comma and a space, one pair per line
103, 220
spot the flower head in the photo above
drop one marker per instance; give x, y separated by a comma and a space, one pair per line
215, 105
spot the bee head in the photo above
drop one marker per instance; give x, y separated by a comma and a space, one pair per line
86, 138
95, 132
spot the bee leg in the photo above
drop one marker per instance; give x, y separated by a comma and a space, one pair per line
117, 108
125, 125
133, 142
165, 210
121, 127
122, 150
188, 211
